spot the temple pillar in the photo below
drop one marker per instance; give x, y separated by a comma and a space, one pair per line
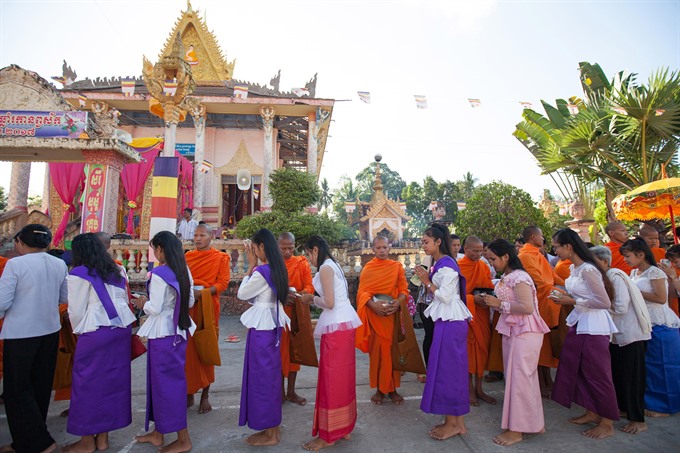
46, 191
198, 115
312, 147
100, 209
18, 186
267, 114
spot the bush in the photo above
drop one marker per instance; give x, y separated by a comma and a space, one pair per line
301, 224
293, 190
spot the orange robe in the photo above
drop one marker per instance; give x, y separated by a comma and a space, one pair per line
64, 359
545, 279
300, 278
3, 261
208, 268
617, 259
673, 301
375, 335
477, 275
659, 254
562, 269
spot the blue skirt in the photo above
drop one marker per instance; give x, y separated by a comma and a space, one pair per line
663, 370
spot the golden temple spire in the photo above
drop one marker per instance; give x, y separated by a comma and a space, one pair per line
377, 184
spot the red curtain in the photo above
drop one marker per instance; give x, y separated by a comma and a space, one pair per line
134, 177
67, 179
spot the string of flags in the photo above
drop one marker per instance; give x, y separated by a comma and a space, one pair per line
128, 87
170, 87
421, 101
82, 99
205, 166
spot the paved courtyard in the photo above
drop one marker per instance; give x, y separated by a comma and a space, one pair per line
386, 428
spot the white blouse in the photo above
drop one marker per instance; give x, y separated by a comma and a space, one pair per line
659, 314
629, 311
262, 314
591, 312
447, 304
86, 311
161, 308
342, 316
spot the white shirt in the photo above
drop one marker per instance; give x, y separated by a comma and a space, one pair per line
31, 288
262, 314
342, 316
447, 304
591, 312
659, 314
186, 229
161, 308
85, 309
624, 311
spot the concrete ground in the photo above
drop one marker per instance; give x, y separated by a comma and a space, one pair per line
386, 428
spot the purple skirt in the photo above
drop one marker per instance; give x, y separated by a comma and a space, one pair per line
262, 381
584, 375
166, 384
101, 389
446, 388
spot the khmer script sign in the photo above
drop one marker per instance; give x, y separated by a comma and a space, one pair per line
20, 123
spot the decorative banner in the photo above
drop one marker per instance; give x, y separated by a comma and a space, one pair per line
82, 99
573, 109
93, 208
461, 205
20, 123
205, 166
128, 87
299, 92
659, 112
432, 206
350, 206
365, 96
65, 81
170, 87
421, 101
256, 192
474, 103
185, 149
240, 91
526, 105
402, 205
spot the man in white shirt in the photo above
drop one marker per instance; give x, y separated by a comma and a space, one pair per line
186, 227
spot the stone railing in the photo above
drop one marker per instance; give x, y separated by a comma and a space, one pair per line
11, 222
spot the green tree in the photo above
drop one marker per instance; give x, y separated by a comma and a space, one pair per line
418, 199
293, 190
392, 182
499, 210
3, 199
326, 198
466, 185
347, 191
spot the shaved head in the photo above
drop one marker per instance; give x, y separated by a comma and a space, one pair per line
613, 225
380, 238
381, 247
650, 235
105, 238
617, 232
470, 240
287, 245
646, 229
207, 228
533, 235
474, 247
287, 236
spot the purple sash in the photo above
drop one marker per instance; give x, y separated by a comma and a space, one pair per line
170, 278
266, 272
100, 287
447, 261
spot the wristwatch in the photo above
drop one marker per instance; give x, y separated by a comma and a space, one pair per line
429, 285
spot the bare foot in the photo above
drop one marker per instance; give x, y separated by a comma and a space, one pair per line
601, 431
153, 438
486, 398
634, 427
177, 446
508, 438
86, 444
316, 444
50, 449
64, 413
270, 436
295, 398
190, 400
655, 414
347, 437
586, 418
396, 398
434, 428
421, 378
473, 399
445, 431
102, 441
378, 398
204, 406
6, 449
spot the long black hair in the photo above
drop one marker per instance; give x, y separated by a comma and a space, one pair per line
439, 231
323, 247
174, 259
275, 260
501, 247
90, 251
35, 235
638, 245
568, 236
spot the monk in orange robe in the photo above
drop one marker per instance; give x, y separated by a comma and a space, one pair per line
651, 236
618, 234
300, 278
545, 279
380, 276
477, 275
673, 255
562, 269
210, 269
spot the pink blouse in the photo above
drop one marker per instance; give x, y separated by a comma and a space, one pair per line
514, 324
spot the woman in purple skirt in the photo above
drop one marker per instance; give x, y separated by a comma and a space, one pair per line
100, 316
170, 296
584, 375
446, 389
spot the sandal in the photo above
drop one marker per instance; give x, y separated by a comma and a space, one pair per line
421, 378
232, 339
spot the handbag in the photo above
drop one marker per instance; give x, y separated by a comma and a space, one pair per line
65, 354
559, 333
137, 348
302, 347
205, 336
406, 354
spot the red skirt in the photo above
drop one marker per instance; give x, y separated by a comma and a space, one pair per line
335, 412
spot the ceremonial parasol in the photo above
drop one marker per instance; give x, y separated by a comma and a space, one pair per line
654, 200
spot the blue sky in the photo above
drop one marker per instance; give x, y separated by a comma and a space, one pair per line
501, 52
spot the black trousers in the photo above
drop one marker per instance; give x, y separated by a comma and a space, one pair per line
428, 327
29, 371
629, 376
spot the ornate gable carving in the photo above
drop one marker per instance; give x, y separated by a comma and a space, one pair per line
203, 53
240, 160
25, 90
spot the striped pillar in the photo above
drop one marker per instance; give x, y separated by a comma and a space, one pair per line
163, 197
